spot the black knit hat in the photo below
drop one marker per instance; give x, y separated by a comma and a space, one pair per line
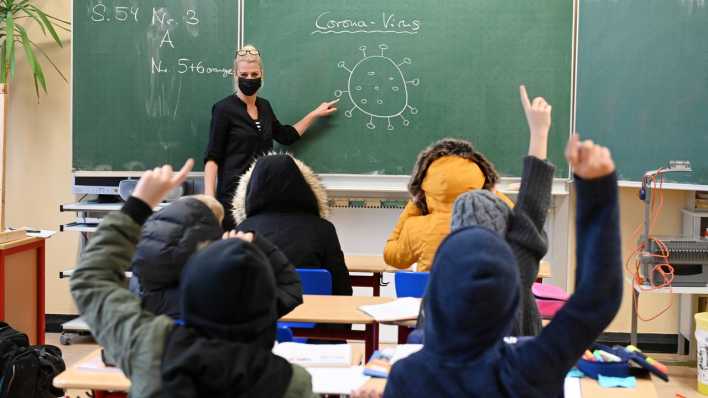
228, 292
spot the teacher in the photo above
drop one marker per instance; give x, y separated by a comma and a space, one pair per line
243, 127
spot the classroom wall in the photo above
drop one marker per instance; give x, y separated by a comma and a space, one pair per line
668, 223
39, 157
39, 178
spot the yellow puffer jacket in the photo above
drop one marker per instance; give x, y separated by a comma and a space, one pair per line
416, 237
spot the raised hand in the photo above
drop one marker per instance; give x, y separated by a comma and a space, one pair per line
587, 159
538, 117
155, 184
245, 236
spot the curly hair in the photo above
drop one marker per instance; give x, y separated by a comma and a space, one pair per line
447, 147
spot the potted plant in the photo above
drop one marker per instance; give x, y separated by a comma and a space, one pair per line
15, 17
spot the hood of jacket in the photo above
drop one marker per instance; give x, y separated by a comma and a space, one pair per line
472, 297
169, 237
447, 178
279, 183
228, 297
484, 175
228, 292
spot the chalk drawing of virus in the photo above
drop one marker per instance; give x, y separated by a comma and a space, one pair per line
378, 88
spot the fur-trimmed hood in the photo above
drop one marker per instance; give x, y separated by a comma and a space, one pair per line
279, 182
447, 147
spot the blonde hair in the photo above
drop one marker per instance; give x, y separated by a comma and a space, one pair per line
248, 58
213, 205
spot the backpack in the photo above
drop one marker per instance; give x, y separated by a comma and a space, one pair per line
27, 371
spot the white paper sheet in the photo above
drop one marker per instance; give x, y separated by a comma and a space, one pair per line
315, 355
337, 380
404, 350
97, 365
571, 388
397, 310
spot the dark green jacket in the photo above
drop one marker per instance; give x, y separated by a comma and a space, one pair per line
131, 336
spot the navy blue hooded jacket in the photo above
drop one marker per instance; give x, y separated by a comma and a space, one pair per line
472, 299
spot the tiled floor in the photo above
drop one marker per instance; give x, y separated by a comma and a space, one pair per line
683, 378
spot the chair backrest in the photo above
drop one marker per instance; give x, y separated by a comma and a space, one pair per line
283, 334
411, 284
315, 281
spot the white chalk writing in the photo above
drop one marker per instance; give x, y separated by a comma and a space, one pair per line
326, 23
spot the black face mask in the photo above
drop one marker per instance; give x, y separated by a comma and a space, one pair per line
249, 86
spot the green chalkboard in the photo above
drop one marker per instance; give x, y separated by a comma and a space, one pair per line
643, 83
145, 74
410, 72
142, 98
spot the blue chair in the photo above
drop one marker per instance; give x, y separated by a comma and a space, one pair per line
314, 281
283, 334
411, 284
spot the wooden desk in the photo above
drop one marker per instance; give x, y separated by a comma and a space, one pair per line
105, 382
22, 286
343, 310
369, 264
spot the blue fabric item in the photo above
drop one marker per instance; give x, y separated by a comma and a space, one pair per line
611, 382
576, 373
415, 337
473, 297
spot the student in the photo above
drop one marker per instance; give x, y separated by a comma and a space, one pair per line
170, 236
220, 350
473, 299
522, 227
441, 173
281, 199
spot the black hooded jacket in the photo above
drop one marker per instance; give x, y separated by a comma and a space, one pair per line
229, 309
168, 239
281, 199
172, 235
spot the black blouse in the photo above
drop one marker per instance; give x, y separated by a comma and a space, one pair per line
235, 141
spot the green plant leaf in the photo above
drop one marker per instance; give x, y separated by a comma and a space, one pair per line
48, 25
3, 66
49, 59
31, 59
9, 58
28, 11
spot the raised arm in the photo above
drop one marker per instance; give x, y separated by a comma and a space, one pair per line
98, 285
525, 234
598, 277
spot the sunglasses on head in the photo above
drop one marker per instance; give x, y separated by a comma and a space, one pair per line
247, 51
